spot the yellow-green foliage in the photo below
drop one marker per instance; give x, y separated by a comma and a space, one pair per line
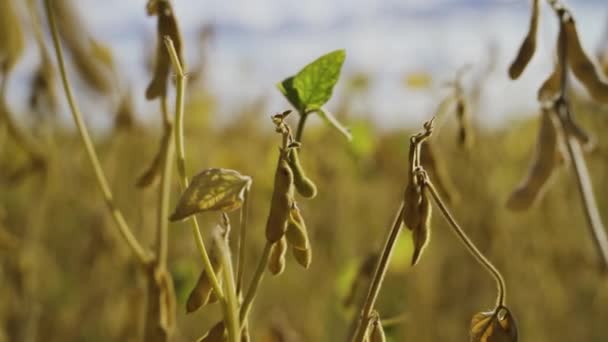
72, 278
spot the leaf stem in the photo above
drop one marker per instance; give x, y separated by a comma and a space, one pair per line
301, 123
241, 242
500, 282
181, 169
378, 279
143, 256
255, 283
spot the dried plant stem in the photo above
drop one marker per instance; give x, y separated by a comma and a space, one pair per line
181, 157
585, 187
255, 283
241, 243
143, 256
378, 279
231, 311
500, 282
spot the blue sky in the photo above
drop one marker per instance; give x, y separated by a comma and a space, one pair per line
259, 42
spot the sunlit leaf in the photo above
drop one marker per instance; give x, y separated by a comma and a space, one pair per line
212, 190
494, 326
312, 87
290, 93
331, 119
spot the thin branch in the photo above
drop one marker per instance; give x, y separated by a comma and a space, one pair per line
255, 283
231, 311
183, 178
379, 274
500, 282
143, 256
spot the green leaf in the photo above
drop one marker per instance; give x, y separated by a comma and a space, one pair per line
290, 93
315, 82
212, 190
331, 119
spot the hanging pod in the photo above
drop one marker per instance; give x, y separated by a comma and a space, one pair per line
303, 184
276, 261
582, 66
546, 157
528, 46
166, 26
282, 200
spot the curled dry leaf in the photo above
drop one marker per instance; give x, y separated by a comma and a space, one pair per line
213, 189
166, 26
528, 46
582, 66
276, 261
216, 334
494, 326
546, 157
282, 201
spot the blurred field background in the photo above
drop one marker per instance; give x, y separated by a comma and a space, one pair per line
67, 276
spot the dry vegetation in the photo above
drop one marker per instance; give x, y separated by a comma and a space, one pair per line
68, 274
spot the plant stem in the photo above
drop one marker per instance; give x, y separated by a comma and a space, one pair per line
379, 274
181, 169
164, 196
592, 214
500, 282
255, 283
396, 320
301, 123
231, 311
143, 256
241, 243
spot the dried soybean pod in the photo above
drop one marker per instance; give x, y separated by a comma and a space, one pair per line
303, 184
552, 86
582, 66
276, 261
411, 200
376, 333
465, 133
97, 69
297, 235
528, 46
166, 26
421, 234
282, 199
12, 42
216, 334
543, 164
302, 256
202, 292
